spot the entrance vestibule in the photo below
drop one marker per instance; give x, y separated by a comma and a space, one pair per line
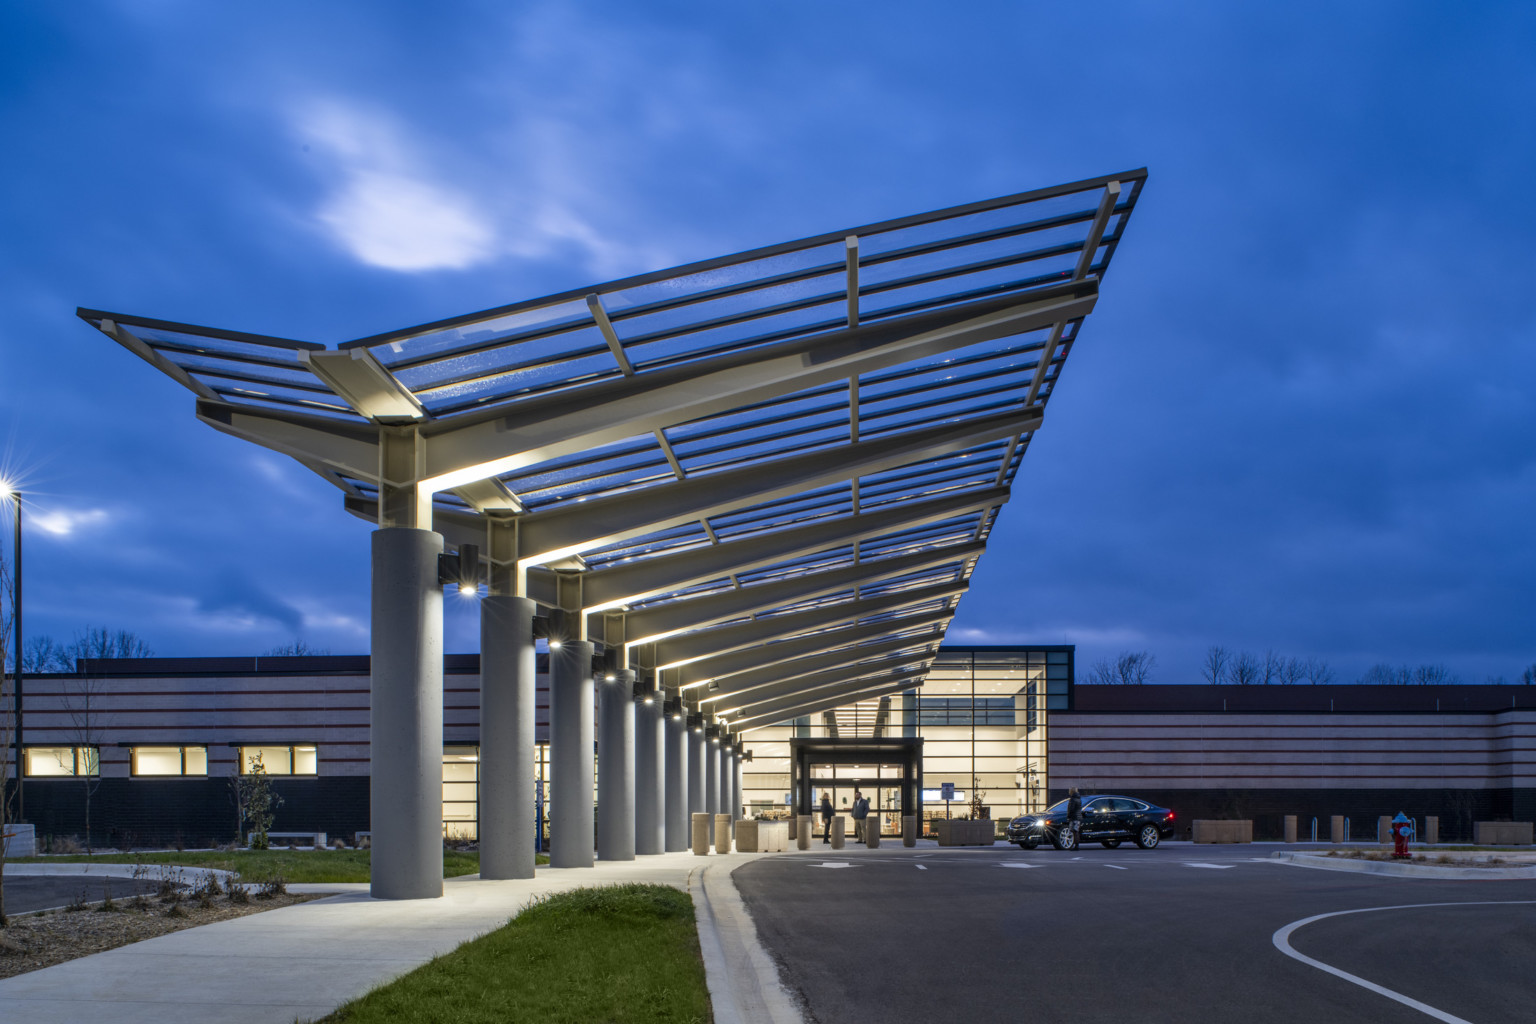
888, 772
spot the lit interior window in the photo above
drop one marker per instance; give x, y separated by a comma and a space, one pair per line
43, 762
294, 760
170, 760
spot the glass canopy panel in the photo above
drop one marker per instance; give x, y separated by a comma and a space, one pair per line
477, 332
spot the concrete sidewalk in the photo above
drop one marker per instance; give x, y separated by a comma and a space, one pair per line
302, 962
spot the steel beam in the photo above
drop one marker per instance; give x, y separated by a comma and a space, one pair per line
789, 714
891, 654
785, 652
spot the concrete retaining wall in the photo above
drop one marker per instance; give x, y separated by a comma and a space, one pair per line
1218, 831
1502, 833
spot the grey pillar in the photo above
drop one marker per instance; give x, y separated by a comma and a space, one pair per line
616, 768
650, 787
727, 801
406, 716
736, 812
698, 745
507, 680
711, 774
677, 834
570, 755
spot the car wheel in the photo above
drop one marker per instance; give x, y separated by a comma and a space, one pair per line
1148, 837
1109, 844
1064, 839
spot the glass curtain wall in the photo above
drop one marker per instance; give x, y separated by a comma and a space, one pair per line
982, 714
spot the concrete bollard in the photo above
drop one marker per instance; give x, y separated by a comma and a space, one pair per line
747, 836
838, 823
1290, 828
872, 832
1432, 829
793, 819
1384, 829
722, 833
1336, 829
700, 820
909, 830
803, 833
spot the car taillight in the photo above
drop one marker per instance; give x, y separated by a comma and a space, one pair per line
1170, 815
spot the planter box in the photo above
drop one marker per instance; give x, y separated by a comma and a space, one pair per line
1501, 833
1220, 831
965, 833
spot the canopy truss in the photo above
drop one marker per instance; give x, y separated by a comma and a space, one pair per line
763, 481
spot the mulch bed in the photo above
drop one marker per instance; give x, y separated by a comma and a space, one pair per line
34, 941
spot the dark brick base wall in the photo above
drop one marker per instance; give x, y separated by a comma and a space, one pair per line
1456, 808
189, 812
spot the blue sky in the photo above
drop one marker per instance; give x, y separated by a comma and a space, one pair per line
1302, 417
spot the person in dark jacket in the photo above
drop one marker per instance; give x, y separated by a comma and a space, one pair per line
1075, 810
859, 812
826, 818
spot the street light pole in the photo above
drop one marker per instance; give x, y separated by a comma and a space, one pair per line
16, 674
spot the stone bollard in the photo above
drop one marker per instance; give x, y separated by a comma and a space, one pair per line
722, 833
1336, 829
700, 821
1384, 829
909, 830
838, 823
803, 832
793, 819
1432, 829
747, 832
1290, 828
872, 832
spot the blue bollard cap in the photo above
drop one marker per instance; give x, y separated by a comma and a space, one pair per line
1400, 816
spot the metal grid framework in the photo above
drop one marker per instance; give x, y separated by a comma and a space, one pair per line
762, 480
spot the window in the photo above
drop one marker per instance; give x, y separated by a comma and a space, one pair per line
61, 762
461, 791
169, 760
296, 760
957, 710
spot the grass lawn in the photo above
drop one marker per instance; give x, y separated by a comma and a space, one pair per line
621, 954
258, 865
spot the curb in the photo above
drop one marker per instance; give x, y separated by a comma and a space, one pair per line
1377, 867
110, 870
744, 985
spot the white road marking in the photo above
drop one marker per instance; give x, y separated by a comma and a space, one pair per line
1077, 858
1016, 864
921, 867
832, 864
1203, 864
1117, 867
1282, 942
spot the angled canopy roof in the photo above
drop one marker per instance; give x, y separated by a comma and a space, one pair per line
780, 463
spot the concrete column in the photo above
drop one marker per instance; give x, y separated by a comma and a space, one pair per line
698, 745
570, 755
616, 768
507, 681
405, 730
676, 784
736, 805
724, 779
650, 788
711, 774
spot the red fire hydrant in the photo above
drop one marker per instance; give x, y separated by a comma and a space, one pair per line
1402, 829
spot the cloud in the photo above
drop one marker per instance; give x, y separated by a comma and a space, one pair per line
63, 522
235, 596
383, 209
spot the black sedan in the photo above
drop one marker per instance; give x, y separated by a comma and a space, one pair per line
1109, 820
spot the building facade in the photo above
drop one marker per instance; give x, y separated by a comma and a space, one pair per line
150, 748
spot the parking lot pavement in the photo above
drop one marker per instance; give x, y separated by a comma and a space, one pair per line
26, 894
1181, 933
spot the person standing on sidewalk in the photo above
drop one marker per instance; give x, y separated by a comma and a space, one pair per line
826, 818
859, 812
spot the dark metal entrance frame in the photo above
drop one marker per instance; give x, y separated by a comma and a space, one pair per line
906, 751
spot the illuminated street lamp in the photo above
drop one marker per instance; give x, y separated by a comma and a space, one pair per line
9, 490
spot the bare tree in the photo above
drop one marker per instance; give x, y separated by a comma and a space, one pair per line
297, 649
1292, 671
1269, 668
1215, 667
1434, 675
1317, 672
1130, 668
1382, 674
1528, 677
82, 702
1245, 669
